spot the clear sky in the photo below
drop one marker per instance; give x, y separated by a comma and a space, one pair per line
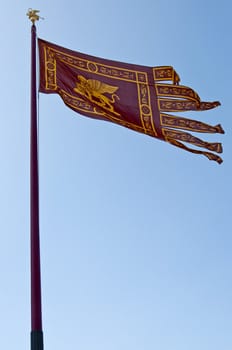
135, 233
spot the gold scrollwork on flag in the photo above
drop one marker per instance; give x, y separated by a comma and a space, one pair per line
166, 73
189, 124
50, 63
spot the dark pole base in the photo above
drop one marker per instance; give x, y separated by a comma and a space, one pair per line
37, 340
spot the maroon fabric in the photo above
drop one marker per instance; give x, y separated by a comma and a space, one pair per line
133, 96
133, 104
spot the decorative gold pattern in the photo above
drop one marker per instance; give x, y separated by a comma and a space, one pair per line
78, 103
166, 73
177, 91
50, 70
171, 105
189, 124
145, 105
99, 68
208, 105
185, 137
209, 155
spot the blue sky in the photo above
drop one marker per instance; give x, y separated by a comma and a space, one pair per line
135, 234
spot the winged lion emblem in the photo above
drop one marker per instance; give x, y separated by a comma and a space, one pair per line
94, 91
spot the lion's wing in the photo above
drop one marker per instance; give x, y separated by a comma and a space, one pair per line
101, 87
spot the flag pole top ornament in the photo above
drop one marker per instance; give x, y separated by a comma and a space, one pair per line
33, 15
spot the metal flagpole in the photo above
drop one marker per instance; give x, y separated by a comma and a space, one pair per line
36, 308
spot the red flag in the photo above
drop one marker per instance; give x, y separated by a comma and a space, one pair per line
137, 97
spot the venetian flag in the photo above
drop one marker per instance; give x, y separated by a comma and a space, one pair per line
134, 96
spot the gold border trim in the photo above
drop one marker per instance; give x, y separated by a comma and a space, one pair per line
140, 78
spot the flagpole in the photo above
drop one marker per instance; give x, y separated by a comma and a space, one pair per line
36, 308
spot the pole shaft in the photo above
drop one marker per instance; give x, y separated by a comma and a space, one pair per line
36, 309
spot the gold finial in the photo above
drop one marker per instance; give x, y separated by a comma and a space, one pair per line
33, 15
